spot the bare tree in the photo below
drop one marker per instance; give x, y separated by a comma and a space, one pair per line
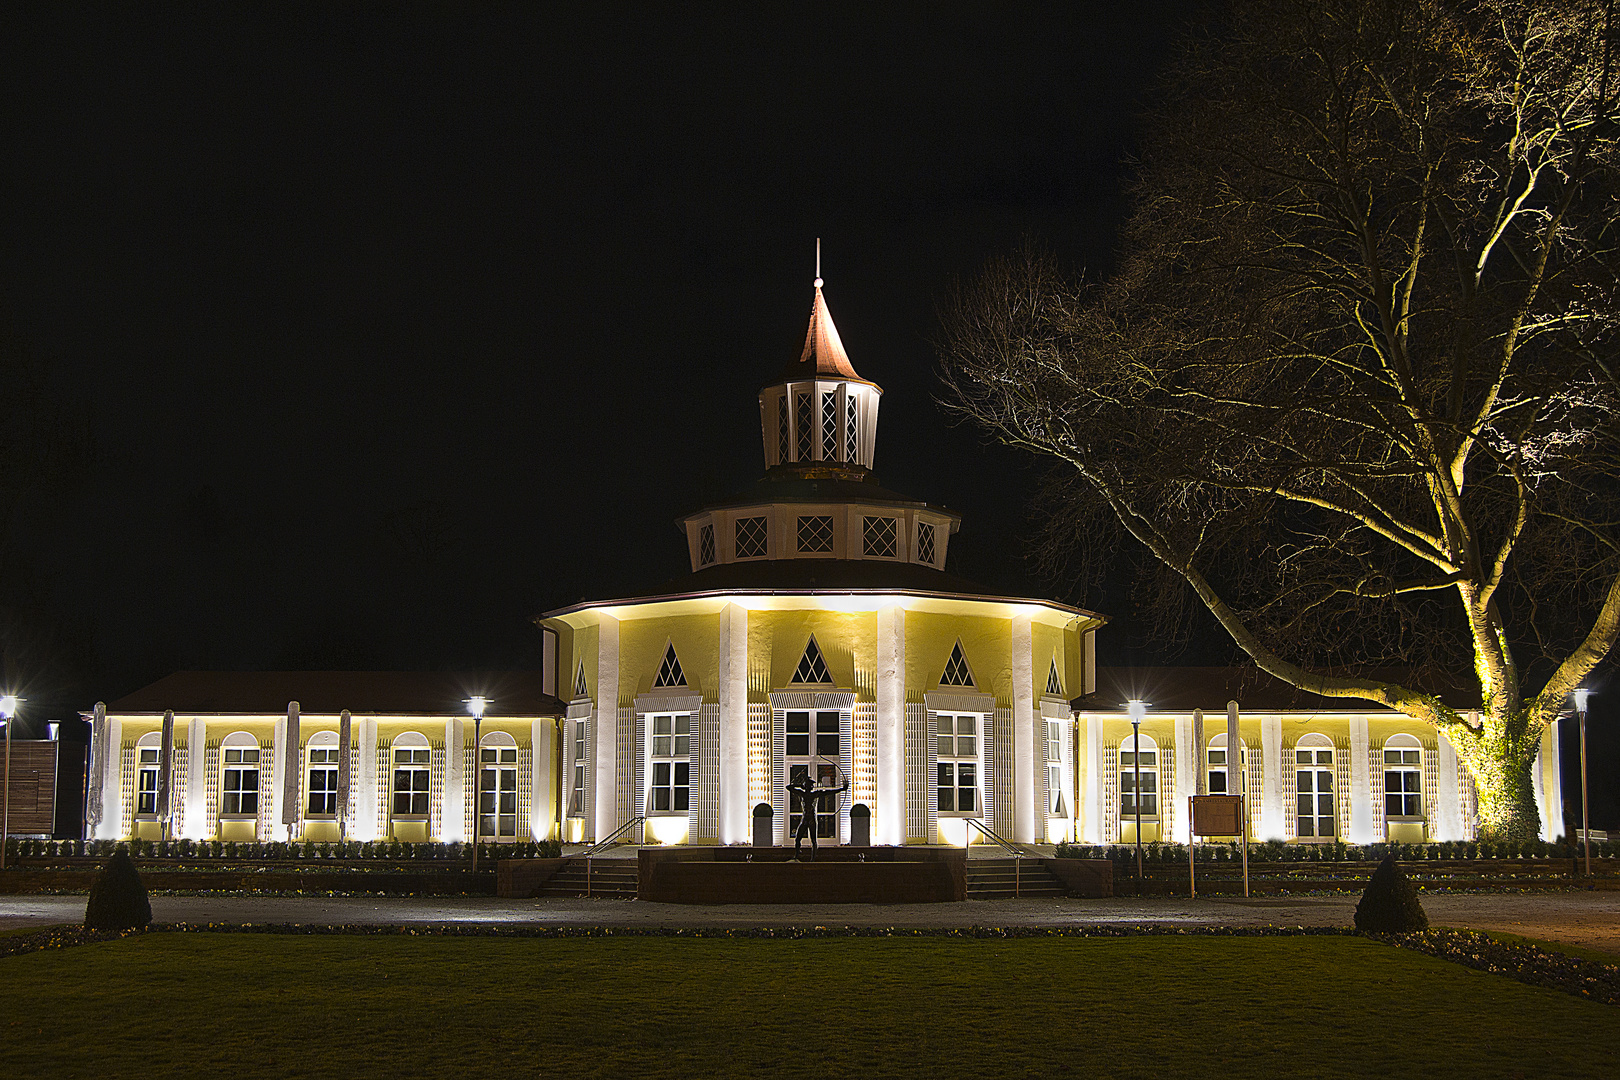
1353, 385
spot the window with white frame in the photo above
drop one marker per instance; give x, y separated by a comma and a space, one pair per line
497, 787
806, 426
812, 744
925, 543
705, 544
670, 789
239, 785
146, 780
322, 753
751, 536
1139, 778
1313, 789
957, 751
1403, 777
1219, 765
576, 801
851, 431
829, 426
412, 776
1054, 766
782, 430
880, 537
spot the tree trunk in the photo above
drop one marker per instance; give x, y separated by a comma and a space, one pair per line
1504, 786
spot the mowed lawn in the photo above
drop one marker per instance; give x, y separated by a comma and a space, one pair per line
260, 1005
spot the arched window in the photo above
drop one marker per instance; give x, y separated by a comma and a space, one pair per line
497, 787
1403, 778
411, 775
1138, 756
321, 754
239, 786
1220, 767
148, 749
1313, 788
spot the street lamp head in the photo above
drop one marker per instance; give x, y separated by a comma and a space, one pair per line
8, 705
1581, 694
1137, 709
476, 705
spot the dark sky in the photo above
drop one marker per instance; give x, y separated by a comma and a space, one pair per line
394, 327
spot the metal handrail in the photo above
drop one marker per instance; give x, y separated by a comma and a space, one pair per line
1018, 852
613, 839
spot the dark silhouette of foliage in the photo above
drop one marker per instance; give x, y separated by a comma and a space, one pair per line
1390, 903
118, 897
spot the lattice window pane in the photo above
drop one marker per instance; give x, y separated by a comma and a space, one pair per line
812, 667
782, 430
1054, 685
956, 669
925, 543
807, 432
705, 545
829, 427
579, 681
750, 537
879, 537
851, 432
816, 534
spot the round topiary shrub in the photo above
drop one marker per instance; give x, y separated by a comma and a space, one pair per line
118, 897
1390, 903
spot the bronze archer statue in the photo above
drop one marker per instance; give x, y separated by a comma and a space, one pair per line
810, 800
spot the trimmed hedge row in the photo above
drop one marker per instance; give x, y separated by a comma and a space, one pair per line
394, 850
1278, 851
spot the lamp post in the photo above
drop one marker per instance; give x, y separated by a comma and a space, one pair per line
1137, 709
8, 711
1586, 826
476, 705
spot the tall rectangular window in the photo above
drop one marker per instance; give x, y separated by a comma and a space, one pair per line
239, 793
576, 802
1313, 788
925, 543
323, 777
497, 792
705, 545
851, 432
1403, 783
782, 430
671, 752
829, 427
1130, 796
411, 782
957, 752
807, 427
146, 784
1054, 764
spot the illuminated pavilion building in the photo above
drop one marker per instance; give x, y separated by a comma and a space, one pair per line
818, 632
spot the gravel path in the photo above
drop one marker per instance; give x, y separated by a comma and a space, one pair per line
1587, 919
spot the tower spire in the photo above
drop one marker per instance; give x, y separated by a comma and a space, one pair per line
818, 262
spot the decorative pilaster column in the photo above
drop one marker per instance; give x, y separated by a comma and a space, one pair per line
278, 765
605, 813
733, 697
889, 815
1023, 720
1271, 782
196, 779
1446, 818
453, 803
543, 822
1092, 826
364, 826
1186, 777
1361, 793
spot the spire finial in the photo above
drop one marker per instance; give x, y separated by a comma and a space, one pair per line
818, 262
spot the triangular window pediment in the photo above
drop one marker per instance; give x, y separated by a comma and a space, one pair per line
669, 672
1054, 685
580, 690
812, 665
956, 669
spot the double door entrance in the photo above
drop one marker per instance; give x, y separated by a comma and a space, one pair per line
812, 752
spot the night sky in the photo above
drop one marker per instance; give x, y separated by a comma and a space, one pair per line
370, 332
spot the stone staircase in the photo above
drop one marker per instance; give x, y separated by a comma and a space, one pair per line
1001, 879
611, 879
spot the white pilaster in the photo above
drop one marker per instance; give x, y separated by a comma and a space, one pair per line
1551, 758
1092, 826
1200, 775
1271, 787
364, 826
453, 803
1446, 820
1361, 796
543, 778
734, 808
1023, 719
278, 765
606, 718
1186, 777
196, 823
112, 791
889, 815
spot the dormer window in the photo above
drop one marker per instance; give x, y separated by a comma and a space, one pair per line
705, 545
751, 535
925, 543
